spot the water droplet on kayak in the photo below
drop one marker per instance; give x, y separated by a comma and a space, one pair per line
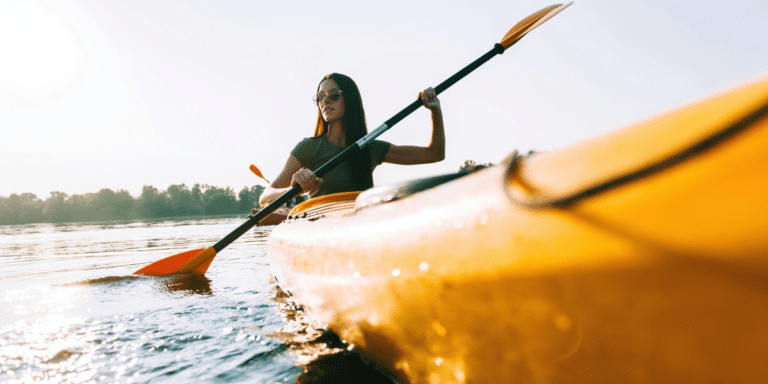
438, 361
484, 219
438, 223
423, 266
395, 272
562, 322
458, 223
439, 328
356, 274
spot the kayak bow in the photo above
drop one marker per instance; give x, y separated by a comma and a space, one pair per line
638, 256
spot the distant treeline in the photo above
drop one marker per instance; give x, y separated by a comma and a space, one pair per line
177, 200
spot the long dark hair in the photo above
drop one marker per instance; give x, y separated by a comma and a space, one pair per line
355, 128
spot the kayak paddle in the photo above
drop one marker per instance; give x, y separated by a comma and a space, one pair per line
257, 172
198, 260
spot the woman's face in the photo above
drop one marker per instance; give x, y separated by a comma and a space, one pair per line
331, 110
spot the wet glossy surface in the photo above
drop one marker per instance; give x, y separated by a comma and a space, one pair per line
71, 311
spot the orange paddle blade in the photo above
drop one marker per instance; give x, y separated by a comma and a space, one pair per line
531, 22
172, 264
257, 172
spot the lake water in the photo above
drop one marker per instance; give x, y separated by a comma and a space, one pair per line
71, 310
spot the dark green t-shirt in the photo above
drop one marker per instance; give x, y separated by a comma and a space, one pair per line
313, 152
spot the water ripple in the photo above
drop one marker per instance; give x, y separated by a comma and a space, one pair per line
71, 311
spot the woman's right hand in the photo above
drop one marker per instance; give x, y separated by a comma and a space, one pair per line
306, 179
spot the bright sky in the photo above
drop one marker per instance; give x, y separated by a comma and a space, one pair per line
121, 94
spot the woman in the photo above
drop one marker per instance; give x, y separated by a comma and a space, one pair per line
340, 123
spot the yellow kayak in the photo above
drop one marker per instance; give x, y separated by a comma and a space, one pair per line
637, 257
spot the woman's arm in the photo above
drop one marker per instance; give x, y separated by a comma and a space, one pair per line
291, 174
435, 151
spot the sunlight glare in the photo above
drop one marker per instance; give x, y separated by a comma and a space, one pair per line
41, 53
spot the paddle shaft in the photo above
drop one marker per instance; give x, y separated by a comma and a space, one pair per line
254, 220
497, 50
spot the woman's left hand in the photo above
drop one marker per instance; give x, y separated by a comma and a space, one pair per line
430, 100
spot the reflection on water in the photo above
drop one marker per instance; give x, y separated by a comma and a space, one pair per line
343, 367
179, 284
186, 285
322, 354
72, 312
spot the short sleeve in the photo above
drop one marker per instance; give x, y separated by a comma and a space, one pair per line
379, 151
303, 151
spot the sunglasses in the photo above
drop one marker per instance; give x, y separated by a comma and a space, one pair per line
332, 94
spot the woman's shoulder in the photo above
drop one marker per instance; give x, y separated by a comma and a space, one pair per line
306, 149
309, 139
309, 142
379, 149
380, 146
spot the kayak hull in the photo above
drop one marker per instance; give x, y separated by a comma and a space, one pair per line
659, 279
